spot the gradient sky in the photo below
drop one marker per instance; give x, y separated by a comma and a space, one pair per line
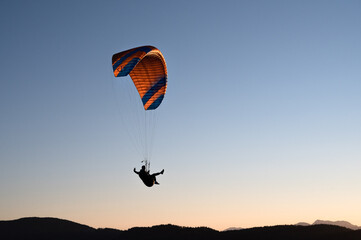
261, 123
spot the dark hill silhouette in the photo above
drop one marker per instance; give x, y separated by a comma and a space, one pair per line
41, 228
316, 232
52, 228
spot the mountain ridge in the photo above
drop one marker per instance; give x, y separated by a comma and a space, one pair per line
54, 228
338, 223
344, 224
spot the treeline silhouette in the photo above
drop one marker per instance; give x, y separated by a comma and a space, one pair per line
53, 228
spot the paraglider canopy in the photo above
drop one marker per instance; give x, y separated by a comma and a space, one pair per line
147, 68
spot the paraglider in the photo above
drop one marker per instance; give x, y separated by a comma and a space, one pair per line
147, 69
147, 178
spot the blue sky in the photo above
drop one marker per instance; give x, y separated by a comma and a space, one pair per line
260, 124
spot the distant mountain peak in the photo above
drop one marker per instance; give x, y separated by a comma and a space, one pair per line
233, 229
303, 224
344, 224
337, 223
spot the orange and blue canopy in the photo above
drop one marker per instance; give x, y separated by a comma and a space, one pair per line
147, 68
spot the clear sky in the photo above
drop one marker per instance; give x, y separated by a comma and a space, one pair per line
260, 125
